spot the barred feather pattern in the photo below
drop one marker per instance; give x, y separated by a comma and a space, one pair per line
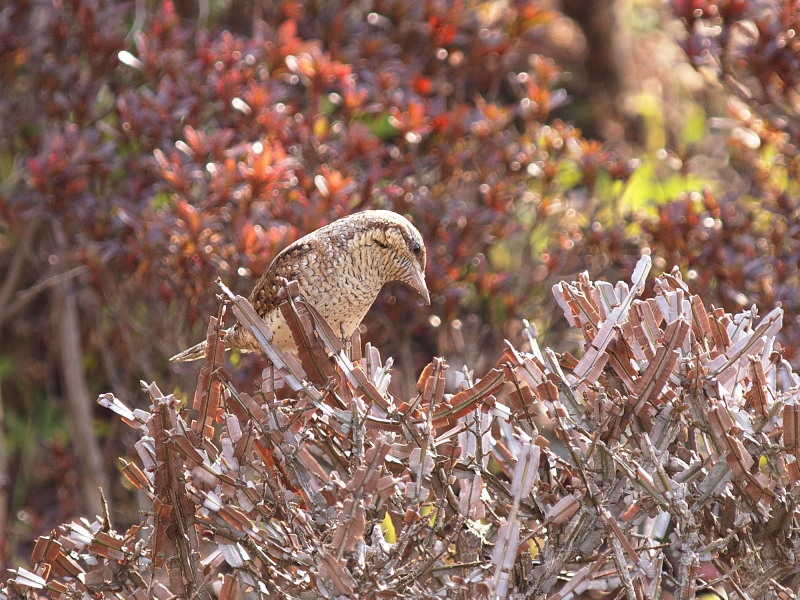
340, 269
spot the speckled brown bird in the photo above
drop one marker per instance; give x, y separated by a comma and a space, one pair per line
340, 268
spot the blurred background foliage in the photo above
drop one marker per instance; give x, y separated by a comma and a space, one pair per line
149, 147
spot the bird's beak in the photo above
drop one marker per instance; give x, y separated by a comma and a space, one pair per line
417, 281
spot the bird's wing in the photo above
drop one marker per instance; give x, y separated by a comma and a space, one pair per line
264, 296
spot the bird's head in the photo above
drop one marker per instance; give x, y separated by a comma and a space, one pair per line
400, 248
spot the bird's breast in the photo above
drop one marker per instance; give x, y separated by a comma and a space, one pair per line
341, 285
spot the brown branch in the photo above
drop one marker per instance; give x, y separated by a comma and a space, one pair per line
15, 268
5, 491
87, 449
24, 297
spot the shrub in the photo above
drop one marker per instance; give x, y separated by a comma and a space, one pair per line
672, 462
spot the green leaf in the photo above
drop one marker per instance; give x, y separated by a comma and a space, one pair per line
694, 126
642, 191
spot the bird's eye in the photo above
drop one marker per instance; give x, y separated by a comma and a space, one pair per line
380, 244
415, 248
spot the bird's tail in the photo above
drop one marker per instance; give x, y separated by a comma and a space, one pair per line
196, 352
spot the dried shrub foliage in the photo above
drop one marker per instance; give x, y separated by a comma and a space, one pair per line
673, 463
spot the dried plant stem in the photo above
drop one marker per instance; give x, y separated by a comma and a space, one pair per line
4, 488
17, 261
87, 449
9, 308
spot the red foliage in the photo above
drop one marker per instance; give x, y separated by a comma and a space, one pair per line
196, 154
159, 155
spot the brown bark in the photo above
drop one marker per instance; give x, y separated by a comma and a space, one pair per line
87, 449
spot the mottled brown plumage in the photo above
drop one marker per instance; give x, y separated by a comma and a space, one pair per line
340, 269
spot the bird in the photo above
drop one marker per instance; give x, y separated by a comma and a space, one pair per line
340, 268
